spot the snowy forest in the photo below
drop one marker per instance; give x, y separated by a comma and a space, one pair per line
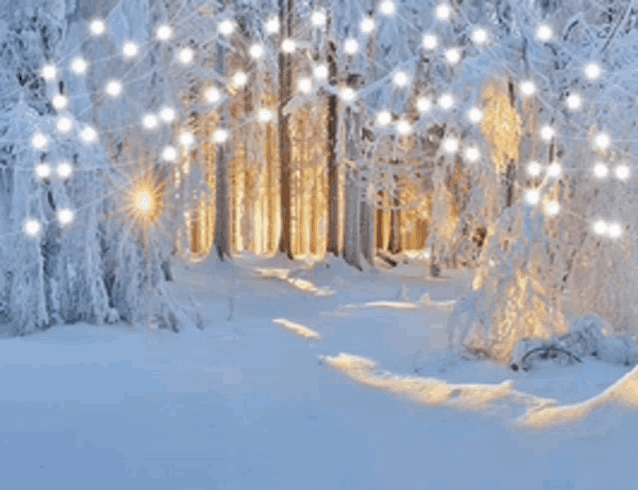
443, 186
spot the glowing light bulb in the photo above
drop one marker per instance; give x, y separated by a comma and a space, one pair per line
600, 227
547, 133
387, 7
475, 115
554, 169
348, 94
318, 18
592, 71
221, 136
256, 51
49, 73
79, 66
167, 114
60, 102
43, 171
65, 216
149, 121
534, 169
622, 172
265, 115
226, 27
472, 154
320, 72
544, 33
186, 56
164, 32
552, 208
97, 27
532, 197
446, 101
430, 42
400, 79
528, 88
600, 170
351, 46
404, 127
114, 88
443, 12
64, 124
64, 170
305, 85
88, 135
479, 36
574, 102
451, 145
169, 154
453, 56
213, 95
602, 141
240, 79
39, 141
384, 118
186, 139
272, 25
288, 46
423, 104
367, 25
130, 50
614, 230
32, 228
143, 200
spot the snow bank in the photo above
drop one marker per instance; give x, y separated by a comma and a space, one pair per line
297, 329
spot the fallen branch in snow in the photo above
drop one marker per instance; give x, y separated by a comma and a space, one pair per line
387, 260
545, 351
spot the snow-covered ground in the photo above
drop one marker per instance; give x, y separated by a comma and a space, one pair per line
306, 376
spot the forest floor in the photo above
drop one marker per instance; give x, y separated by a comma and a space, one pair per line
306, 376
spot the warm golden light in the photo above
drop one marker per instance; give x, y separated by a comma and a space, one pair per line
145, 202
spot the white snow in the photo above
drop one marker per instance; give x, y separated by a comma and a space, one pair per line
248, 404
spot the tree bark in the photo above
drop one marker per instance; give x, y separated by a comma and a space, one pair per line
333, 170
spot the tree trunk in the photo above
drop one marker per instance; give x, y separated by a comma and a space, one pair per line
222, 209
333, 170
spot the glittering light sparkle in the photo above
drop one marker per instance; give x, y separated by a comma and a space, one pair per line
479, 36
404, 127
443, 12
187, 139
547, 133
256, 51
88, 135
384, 118
451, 145
367, 25
169, 154
272, 25
240, 79
305, 85
226, 27
167, 114
532, 197
32, 228
149, 121
348, 94
423, 104
288, 46
552, 208
49, 73
453, 56
400, 79
320, 72
221, 136
600, 227
602, 141
64, 124
212, 95
186, 56
39, 141
601, 170
446, 101
265, 115
64, 170
387, 7
614, 230
475, 115
574, 102
528, 88
65, 216
351, 46
164, 32
592, 70
534, 169
318, 18
97, 27
430, 42
554, 169
130, 50
472, 154
544, 33
60, 102
622, 172
79, 66
114, 88
43, 171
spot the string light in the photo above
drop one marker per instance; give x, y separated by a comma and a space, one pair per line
32, 228
97, 27
240, 79
256, 51
49, 73
446, 101
79, 66
534, 169
64, 170
547, 133
164, 32
552, 208
400, 79
186, 56
221, 136
60, 102
554, 169
272, 25
265, 115
592, 70
88, 135
574, 102
404, 127
114, 88
320, 72
318, 18
430, 42
443, 12
472, 154
387, 7
348, 94
622, 172
288, 46
614, 230
186, 139
64, 124
600, 227
130, 50
384, 118
544, 33
226, 27
167, 114
212, 95
43, 171
453, 56
602, 141
305, 85
532, 197
169, 154
423, 104
65, 217
479, 36
367, 25
39, 141
451, 145
351, 46
528, 88
149, 121
600, 170
475, 115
